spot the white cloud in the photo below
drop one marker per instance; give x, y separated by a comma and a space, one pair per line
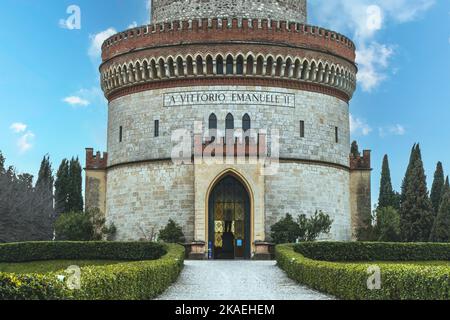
359, 126
76, 101
134, 24
373, 61
86, 97
395, 130
362, 20
25, 142
95, 50
18, 127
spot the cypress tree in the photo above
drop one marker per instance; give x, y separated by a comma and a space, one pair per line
447, 184
354, 150
62, 187
44, 200
75, 197
438, 188
387, 196
441, 227
416, 212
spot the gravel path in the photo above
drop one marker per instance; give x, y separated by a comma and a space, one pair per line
237, 280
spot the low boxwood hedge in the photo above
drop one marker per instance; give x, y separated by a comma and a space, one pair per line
38, 251
374, 251
134, 280
349, 280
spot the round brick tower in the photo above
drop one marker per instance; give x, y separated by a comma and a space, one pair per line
206, 66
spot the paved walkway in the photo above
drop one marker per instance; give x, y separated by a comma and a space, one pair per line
237, 280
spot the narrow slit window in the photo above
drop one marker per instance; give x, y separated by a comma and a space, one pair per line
336, 134
120, 134
156, 128
302, 129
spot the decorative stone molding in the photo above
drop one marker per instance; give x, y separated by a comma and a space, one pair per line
328, 74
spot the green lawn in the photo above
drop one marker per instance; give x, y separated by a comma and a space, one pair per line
50, 266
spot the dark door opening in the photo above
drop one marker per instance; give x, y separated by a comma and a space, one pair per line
229, 220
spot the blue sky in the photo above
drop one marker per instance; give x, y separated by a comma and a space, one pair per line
51, 101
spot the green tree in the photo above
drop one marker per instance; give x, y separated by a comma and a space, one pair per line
416, 212
285, 231
62, 184
172, 233
74, 193
437, 189
74, 226
441, 227
311, 228
44, 200
354, 150
83, 226
387, 197
387, 227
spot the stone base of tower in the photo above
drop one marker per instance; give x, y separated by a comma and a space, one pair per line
143, 197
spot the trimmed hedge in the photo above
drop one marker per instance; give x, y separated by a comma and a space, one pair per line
374, 251
138, 280
38, 251
349, 281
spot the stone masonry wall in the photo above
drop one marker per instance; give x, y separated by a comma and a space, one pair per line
301, 188
169, 10
137, 112
145, 196
360, 200
95, 190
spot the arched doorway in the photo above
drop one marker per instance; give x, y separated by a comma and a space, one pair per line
229, 228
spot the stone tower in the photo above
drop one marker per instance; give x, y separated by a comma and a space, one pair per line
206, 68
169, 10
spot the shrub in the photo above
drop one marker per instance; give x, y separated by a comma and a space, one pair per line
80, 226
136, 280
39, 251
172, 233
387, 228
285, 231
74, 226
312, 228
305, 229
374, 251
349, 281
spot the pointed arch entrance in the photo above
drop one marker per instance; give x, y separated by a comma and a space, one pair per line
229, 219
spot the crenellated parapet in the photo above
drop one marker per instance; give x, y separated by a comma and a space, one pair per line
261, 31
358, 162
96, 161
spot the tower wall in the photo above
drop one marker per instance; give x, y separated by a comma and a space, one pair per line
360, 192
170, 10
142, 197
304, 188
145, 187
95, 182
